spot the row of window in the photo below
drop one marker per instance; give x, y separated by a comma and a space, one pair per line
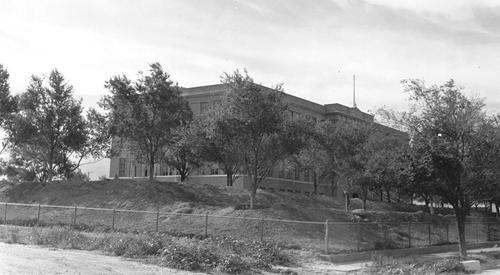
270, 189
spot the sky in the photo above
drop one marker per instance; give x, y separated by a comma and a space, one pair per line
312, 47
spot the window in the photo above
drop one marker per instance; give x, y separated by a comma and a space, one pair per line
203, 107
121, 167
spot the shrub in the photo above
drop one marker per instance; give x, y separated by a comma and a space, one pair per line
189, 257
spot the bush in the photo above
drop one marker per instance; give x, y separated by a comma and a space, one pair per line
398, 266
189, 257
224, 254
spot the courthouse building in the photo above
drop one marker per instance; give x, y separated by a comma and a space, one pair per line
282, 179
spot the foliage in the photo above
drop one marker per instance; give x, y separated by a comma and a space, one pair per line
144, 113
257, 122
454, 147
399, 266
219, 253
184, 153
7, 103
219, 143
48, 135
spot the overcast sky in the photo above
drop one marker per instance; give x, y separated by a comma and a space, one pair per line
313, 47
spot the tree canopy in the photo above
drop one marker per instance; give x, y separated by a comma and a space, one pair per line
454, 146
49, 134
143, 114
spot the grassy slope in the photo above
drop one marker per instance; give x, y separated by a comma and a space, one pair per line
206, 199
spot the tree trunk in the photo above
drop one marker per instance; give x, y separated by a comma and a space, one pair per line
497, 208
229, 179
151, 168
426, 201
253, 192
388, 192
460, 217
431, 206
347, 201
381, 195
183, 175
364, 195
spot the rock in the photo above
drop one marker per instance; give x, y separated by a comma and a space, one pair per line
358, 212
471, 265
184, 210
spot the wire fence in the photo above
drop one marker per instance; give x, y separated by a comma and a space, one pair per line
327, 237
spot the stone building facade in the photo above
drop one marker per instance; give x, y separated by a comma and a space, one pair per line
282, 179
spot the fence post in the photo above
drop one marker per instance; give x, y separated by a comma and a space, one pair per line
488, 232
477, 232
206, 225
447, 232
409, 234
326, 237
385, 227
38, 215
157, 220
358, 236
261, 229
5, 214
113, 220
74, 217
429, 233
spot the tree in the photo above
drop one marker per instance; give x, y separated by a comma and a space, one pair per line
450, 146
343, 148
7, 103
144, 113
184, 152
48, 135
257, 121
385, 162
219, 142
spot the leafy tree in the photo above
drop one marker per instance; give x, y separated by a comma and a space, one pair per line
386, 161
7, 103
452, 149
183, 153
344, 156
144, 113
257, 121
219, 142
49, 135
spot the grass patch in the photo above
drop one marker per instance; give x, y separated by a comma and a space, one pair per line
223, 254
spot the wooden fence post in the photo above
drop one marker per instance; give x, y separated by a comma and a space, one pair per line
261, 229
206, 225
157, 220
5, 214
74, 217
409, 234
447, 232
488, 232
358, 236
477, 232
38, 215
113, 220
429, 233
326, 237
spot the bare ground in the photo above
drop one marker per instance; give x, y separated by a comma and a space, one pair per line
26, 259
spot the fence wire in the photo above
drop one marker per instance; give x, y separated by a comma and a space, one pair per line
328, 237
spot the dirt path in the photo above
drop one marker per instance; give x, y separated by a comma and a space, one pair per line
25, 259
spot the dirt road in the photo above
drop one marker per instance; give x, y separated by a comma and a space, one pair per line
25, 259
